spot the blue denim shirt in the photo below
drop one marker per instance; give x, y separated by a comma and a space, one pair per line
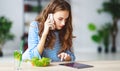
33, 40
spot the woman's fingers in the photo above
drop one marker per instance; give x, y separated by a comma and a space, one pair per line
63, 56
50, 24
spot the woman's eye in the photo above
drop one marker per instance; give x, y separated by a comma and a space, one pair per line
60, 19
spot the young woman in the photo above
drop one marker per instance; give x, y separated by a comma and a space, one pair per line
52, 38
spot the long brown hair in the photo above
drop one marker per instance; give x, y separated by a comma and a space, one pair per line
65, 34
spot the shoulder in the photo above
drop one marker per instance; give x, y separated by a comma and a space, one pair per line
34, 24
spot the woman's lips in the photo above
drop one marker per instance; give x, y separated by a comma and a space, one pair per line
62, 26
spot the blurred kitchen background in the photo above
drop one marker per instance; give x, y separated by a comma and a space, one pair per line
96, 25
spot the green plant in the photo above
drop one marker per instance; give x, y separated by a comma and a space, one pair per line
102, 35
113, 8
5, 34
96, 37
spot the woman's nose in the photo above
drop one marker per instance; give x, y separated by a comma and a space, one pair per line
63, 23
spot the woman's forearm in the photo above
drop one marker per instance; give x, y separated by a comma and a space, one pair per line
41, 44
44, 36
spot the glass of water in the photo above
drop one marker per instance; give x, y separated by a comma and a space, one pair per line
17, 60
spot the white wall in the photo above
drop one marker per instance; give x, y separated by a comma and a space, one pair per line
84, 12
13, 9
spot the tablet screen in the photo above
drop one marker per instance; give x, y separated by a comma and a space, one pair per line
76, 65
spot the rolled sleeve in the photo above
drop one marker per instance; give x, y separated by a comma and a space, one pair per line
34, 53
33, 39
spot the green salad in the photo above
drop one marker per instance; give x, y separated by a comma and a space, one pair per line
40, 62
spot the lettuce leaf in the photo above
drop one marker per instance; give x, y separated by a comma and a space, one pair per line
40, 62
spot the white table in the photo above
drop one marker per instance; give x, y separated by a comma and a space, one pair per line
98, 66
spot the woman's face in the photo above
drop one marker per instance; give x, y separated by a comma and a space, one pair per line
60, 18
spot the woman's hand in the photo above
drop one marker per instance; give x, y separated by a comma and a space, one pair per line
64, 56
48, 25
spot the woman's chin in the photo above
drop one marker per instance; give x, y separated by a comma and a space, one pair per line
59, 28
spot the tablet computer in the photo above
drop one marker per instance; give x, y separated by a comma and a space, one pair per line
76, 65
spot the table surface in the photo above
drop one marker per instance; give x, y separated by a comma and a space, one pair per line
54, 66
